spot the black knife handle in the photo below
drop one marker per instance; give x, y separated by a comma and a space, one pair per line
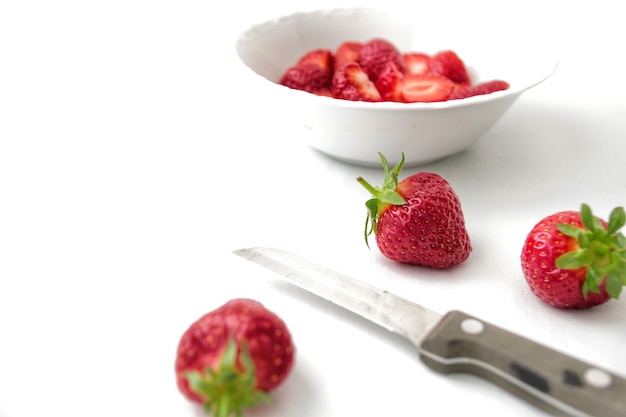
555, 382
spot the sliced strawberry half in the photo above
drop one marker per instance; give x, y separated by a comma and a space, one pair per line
324, 92
448, 64
426, 88
417, 63
389, 83
322, 57
375, 54
350, 82
487, 87
347, 52
308, 76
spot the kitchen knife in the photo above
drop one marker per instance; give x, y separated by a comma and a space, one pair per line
457, 342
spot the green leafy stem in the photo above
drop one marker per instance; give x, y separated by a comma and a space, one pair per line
382, 196
230, 388
602, 251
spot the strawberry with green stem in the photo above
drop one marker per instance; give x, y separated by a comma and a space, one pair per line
230, 358
418, 220
573, 259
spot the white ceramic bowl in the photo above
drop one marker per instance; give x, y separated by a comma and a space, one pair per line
356, 131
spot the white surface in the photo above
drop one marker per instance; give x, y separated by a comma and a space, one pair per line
132, 161
425, 132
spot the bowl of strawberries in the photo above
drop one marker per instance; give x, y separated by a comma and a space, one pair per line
364, 81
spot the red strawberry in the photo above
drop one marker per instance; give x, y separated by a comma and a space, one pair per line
417, 63
389, 83
375, 54
448, 64
425, 88
324, 92
350, 82
308, 77
347, 52
322, 57
487, 87
232, 356
572, 259
418, 220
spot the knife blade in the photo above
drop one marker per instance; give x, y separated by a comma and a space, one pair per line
458, 342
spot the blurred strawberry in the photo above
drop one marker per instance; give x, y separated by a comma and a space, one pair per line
448, 64
232, 356
425, 88
347, 52
312, 73
350, 82
375, 54
417, 63
487, 87
322, 57
389, 83
307, 76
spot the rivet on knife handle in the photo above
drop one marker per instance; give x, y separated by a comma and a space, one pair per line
557, 383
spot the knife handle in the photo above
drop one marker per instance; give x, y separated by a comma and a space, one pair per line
553, 381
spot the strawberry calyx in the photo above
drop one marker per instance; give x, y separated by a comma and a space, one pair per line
601, 251
231, 387
382, 196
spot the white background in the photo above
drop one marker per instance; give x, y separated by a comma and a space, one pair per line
135, 156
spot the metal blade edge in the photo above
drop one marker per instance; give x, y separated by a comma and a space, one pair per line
388, 310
